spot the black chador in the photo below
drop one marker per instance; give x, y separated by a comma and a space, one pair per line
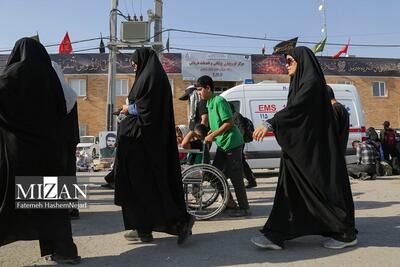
313, 195
148, 182
32, 111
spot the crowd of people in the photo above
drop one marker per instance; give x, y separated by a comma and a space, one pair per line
313, 194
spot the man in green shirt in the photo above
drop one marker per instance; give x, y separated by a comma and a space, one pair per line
229, 140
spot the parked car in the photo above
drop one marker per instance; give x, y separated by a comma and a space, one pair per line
90, 144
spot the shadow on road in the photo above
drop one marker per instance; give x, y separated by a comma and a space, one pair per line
233, 247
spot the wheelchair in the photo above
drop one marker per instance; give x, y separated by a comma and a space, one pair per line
205, 187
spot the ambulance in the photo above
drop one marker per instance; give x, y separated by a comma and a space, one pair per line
261, 101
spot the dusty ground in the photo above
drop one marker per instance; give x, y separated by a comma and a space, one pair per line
224, 241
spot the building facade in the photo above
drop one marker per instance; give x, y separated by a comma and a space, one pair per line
376, 79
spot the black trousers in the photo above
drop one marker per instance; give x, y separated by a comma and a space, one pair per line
389, 150
230, 163
248, 173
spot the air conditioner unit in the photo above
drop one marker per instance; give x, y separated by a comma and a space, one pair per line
135, 31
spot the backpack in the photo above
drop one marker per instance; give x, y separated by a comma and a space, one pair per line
248, 130
390, 137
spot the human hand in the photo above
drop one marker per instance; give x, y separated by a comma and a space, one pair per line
209, 139
259, 133
124, 109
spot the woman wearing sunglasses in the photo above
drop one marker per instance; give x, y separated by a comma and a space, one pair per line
313, 195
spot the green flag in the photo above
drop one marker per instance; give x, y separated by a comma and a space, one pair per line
320, 46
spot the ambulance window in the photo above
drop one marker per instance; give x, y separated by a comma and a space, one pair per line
236, 104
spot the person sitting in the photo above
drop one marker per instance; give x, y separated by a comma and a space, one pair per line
179, 139
367, 156
194, 140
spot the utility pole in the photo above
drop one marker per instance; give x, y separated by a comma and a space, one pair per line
158, 5
112, 57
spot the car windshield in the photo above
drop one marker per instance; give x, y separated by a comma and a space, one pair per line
87, 139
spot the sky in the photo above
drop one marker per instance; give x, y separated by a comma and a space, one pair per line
363, 21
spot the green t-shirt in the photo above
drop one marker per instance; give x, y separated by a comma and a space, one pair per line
218, 112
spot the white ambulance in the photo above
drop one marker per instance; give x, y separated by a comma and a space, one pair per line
261, 101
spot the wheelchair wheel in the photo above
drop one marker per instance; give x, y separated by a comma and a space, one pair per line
206, 190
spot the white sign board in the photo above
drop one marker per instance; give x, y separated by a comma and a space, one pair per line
220, 67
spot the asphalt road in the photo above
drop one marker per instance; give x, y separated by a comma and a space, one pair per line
224, 241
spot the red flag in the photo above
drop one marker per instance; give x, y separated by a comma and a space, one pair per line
65, 45
343, 50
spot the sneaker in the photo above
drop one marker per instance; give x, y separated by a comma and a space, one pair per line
336, 244
133, 235
263, 242
186, 230
251, 184
240, 213
63, 260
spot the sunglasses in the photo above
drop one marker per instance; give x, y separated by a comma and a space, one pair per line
289, 61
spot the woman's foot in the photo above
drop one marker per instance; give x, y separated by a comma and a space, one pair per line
240, 213
336, 244
186, 230
133, 235
63, 259
263, 242
251, 184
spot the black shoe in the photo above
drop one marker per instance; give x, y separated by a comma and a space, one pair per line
251, 184
147, 238
74, 214
63, 260
186, 230
240, 213
230, 209
109, 186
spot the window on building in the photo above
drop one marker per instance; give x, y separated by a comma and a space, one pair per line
345, 82
82, 130
378, 89
121, 87
79, 86
171, 82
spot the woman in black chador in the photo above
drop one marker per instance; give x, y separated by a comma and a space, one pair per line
148, 182
32, 111
313, 195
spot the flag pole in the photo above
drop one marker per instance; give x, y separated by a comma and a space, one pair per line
324, 27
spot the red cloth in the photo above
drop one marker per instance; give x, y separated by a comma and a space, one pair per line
65, 45
342, 51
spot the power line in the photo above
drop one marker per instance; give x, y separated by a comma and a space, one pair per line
74, 42
278, 40
208, 51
